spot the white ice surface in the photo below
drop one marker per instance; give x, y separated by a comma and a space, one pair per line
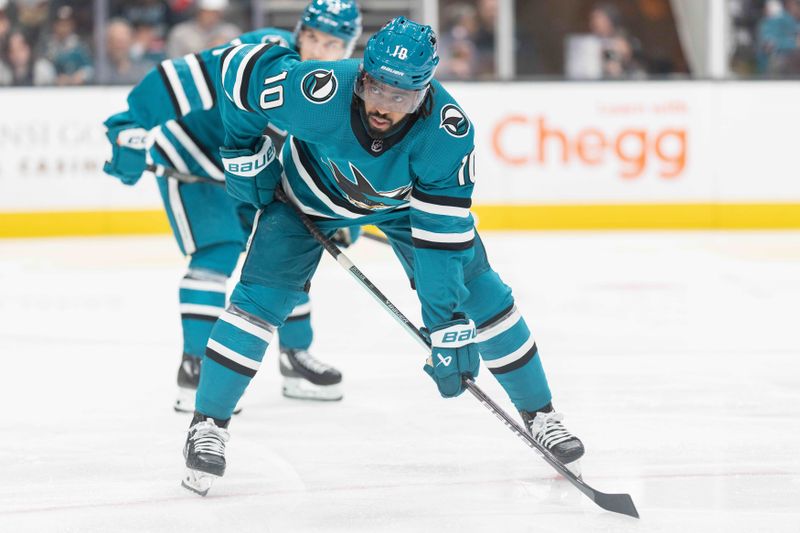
675, 356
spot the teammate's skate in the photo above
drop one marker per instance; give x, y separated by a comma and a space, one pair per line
188, 379
307, 378
549, 431
204, 453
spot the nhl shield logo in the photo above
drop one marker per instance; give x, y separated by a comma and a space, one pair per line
319, 86
454, 121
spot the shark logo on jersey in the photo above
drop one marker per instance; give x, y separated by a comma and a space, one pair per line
362, 193
319, 86
454, 121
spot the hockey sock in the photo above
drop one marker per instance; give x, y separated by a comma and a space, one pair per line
237, 346
509, 352
296, 333
202, 293
202, 299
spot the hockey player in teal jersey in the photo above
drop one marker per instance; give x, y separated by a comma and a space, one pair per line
379, 142
173, 120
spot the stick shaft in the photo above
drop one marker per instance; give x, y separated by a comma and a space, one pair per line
611, 502
617, 503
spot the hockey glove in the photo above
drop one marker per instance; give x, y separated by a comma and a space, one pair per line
344, 237
454, 353
252, 175
128, 148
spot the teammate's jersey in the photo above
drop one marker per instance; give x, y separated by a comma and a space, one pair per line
335, 171
178, 99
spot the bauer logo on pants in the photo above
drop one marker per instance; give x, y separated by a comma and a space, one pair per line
319, 86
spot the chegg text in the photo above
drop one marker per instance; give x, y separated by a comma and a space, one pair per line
519, 140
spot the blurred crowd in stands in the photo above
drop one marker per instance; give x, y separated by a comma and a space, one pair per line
54, 42
766, 37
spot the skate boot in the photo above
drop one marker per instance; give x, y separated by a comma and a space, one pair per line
204, 452
547, 429
188, 379
307, 378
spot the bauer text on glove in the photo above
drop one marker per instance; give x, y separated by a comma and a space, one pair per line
454, 354
252, 175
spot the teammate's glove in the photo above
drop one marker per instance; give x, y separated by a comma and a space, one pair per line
454, 354
252, 175
344, 237
128, 148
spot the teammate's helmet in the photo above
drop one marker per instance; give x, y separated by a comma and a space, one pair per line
402, 54
340, 18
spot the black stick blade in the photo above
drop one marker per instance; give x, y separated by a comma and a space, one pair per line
616, 503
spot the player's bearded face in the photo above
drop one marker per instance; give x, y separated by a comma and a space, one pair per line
315, 45
385, 106
381, 120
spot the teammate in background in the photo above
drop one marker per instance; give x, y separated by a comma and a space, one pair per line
173, 120
373, 142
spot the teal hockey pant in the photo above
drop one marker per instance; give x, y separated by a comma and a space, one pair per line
279, 264
212, 228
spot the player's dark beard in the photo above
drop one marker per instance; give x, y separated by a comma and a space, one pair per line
380, 134
380, 116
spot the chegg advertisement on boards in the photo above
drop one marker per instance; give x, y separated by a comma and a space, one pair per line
520, 140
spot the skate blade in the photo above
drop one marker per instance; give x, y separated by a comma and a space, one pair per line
197, 481
302, 389
575, 468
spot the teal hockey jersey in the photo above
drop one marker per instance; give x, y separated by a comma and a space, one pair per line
178, 100
340, 175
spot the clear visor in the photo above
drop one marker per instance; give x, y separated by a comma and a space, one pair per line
387, 98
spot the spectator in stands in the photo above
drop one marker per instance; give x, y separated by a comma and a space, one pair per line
459, 59
206, 29
154, 14
619, 50
485, 39
147, 45
19, 66
32, 18
793, 7
122, 67
5, 26
68, 54
5, 21
776, 39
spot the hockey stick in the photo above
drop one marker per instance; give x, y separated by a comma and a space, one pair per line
617, 503
162, 171
166, 172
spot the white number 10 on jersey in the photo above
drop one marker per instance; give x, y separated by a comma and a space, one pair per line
400, 52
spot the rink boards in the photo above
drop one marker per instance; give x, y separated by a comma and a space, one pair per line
648, 155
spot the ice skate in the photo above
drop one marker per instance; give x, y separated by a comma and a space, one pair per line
547, 429
204, 452
188, 379
307, 378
